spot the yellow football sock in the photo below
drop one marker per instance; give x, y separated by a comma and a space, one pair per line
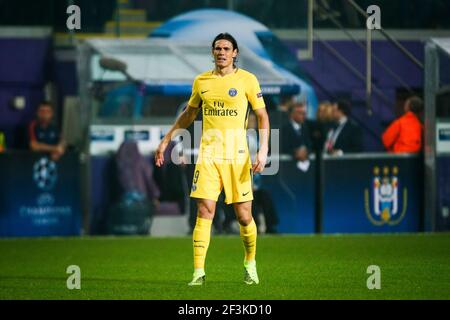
248, 236
200, 237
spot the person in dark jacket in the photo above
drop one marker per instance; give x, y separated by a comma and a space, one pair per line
321, 125
295, 135
346, 135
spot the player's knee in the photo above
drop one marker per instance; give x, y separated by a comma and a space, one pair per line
205, 212
245, 220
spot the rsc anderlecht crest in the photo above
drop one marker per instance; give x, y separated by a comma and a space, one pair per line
383, 203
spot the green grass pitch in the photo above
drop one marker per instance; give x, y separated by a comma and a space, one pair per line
413, 266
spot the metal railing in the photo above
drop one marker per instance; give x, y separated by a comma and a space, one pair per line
324, 11
387, 36
370, 87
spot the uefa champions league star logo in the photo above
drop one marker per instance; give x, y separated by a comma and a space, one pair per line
44, 174
385, 198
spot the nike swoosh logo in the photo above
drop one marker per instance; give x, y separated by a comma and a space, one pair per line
244, 194
204, 91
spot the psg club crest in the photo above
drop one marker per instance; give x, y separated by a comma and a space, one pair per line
385, 203
232, 92
44, 174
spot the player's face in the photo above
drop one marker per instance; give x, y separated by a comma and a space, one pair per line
223, 53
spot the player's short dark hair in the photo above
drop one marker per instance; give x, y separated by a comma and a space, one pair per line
415, 104
344, 107
226, 36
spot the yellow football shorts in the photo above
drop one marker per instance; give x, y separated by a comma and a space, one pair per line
235, 177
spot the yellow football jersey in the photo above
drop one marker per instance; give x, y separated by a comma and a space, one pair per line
225, 105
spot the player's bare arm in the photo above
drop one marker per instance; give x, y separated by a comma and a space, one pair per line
182, 122
264, 129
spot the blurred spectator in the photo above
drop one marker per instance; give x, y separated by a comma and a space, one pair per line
135, 174
405, 133
2, 142
345, 136
137, 193
43, 134
286, 103
296, 136
280, 116
320, 127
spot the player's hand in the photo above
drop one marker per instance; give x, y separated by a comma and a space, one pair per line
260, 161
159, 155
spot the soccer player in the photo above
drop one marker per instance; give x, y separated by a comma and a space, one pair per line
224, 94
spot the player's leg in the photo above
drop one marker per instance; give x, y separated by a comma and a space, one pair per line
201, 237
248, 233
206, 187
247, 227
202, 231
237, 183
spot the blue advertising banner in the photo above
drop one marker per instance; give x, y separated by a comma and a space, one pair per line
293, 194
39, 197
368, 193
